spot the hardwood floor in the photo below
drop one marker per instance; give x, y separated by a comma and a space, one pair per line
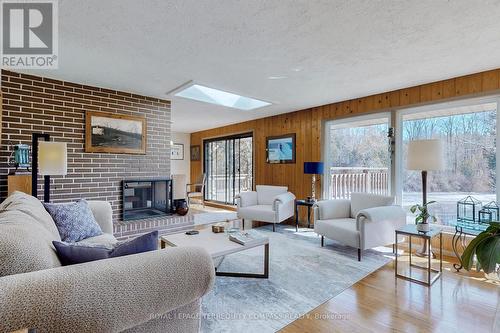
457, 302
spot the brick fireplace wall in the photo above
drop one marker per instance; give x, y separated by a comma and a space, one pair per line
36, 104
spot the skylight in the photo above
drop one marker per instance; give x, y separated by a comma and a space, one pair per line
219, 97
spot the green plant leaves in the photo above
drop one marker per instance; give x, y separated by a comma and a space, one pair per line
486, 246
424, 215
488, 254
468, 255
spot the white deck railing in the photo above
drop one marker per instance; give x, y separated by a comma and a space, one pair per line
344, 181
216, 185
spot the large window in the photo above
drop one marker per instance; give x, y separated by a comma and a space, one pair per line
357, 156
228, 164
469, 132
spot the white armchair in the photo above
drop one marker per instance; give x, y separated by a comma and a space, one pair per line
271, 204
364, 222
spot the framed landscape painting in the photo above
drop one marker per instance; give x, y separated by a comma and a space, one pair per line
114, 133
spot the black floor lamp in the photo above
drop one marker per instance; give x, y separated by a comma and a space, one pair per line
48, 159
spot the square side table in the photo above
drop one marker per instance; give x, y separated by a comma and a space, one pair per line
309, 205
410, 230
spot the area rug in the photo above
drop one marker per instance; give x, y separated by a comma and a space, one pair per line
302, 276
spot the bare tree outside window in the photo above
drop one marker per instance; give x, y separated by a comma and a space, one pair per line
469, 136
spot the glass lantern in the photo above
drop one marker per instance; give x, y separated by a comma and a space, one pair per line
468, 210
489, 213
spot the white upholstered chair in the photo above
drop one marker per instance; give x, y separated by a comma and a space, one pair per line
271, 204
364, 222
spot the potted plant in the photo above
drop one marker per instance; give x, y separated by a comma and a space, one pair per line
486, 248
422, 219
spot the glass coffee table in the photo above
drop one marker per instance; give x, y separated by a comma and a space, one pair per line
218, 245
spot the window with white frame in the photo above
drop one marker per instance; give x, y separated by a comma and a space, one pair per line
468, 130
357, 156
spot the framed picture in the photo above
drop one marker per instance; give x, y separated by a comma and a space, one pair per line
114, 133
280, 149
195, 153
177, 151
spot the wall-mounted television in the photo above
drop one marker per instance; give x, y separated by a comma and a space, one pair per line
281, 149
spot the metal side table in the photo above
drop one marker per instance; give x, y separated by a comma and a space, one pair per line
410, 230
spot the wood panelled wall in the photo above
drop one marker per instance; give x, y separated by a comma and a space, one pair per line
307, 124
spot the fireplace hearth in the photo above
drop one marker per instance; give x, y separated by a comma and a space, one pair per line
146, 198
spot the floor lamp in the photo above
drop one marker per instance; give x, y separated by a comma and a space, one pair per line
425, 155
49, 159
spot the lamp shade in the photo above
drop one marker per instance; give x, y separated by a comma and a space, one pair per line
52, 158
315, 168
425, 155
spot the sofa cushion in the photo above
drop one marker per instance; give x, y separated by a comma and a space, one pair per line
360, 201
266, 193
264, 213
105, 239
74, 221
341, 230
32, 207
81, 252
25, 244
143, 243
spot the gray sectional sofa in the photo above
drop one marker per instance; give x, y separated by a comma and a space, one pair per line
158, 291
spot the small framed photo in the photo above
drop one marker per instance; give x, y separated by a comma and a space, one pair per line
195, 153
177, 151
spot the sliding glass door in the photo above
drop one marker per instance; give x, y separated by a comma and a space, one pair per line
228, 164
357, 156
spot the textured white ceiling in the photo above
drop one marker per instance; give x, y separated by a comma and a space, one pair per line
329, 50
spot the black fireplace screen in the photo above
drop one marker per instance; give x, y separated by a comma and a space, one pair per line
146, 198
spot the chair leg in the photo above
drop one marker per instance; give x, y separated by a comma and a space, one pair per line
359, 254
322, 241
394, 248
274, 227
243, 223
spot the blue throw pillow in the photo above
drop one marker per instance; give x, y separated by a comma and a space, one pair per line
77, 253
74, 221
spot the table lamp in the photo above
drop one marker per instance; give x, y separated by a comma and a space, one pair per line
51, 160
425, 155
313, 168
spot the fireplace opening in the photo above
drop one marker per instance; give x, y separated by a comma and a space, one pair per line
144, 199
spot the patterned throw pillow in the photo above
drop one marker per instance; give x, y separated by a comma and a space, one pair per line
77, 253
74, 221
